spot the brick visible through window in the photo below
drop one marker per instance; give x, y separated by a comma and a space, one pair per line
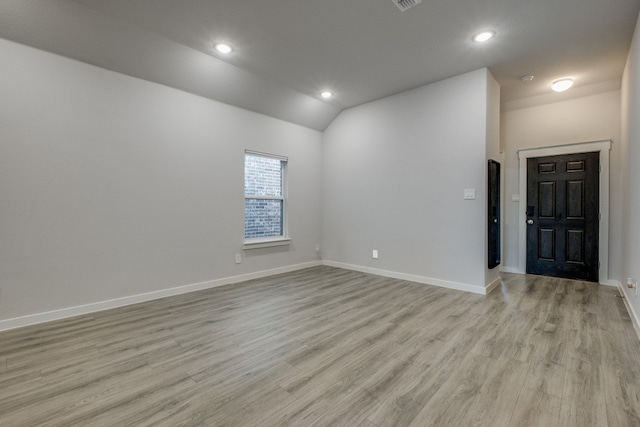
264, 196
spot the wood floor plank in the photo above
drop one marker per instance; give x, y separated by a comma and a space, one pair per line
326, 346
450, 404
583, 400
621, 378
352, 409
618, 417
535, 409
546, 376
47, 403
253, 412
498, 395
394, 411
298, 412
211, 402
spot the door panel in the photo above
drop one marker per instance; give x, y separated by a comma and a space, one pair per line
575, 200
575, 246
546, 168
563, 216
547, 199
547, 244
575, 166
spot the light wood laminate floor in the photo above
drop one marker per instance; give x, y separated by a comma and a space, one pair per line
326, 346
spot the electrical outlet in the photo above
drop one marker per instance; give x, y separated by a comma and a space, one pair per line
469, 193
238, 258
317, 248
374, 254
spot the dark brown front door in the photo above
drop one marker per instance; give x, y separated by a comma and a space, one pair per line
563, 216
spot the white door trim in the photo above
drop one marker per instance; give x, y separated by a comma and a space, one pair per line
603, 147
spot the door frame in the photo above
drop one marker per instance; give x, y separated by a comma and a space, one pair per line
603, 147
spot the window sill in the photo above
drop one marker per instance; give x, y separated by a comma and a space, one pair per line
266, 242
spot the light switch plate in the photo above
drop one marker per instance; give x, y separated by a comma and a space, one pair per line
469, 193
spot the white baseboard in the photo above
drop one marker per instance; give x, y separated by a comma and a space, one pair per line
64, 313
496, 283
610, 282
632, 313
410, 277
511, 270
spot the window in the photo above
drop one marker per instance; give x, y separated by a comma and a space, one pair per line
265, 202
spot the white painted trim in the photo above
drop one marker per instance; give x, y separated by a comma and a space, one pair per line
613, 283
261, 154
283, 240
634, 316
511, 270
48, 316
410, 277
493, 285
584, 147
266, 242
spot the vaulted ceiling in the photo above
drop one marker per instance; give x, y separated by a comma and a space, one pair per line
287, 51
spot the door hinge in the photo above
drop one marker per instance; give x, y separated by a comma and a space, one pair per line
599, 217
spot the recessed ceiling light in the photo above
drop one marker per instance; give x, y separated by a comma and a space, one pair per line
224, 48
484, 36
561, 85
326, 94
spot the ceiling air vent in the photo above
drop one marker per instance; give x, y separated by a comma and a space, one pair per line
406, 4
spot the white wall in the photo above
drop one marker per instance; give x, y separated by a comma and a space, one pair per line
112, 186
590, 118
629, 167
395, 172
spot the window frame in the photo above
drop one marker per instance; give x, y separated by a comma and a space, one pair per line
284, 239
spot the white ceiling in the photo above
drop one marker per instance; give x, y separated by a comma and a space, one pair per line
287, 51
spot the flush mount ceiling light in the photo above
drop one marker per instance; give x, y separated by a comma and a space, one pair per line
224, 48
326, 94
527, 78
483, 36
561, 85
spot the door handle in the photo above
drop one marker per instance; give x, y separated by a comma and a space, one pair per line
529, 221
